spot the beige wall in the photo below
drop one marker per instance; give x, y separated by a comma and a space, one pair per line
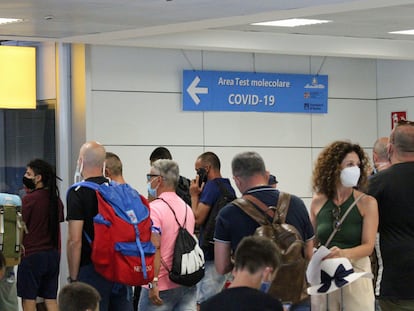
135, 106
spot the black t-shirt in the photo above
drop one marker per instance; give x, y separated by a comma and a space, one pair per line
393, 189
241, 299
83, 205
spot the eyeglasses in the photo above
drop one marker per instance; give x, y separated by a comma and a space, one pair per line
336, 213
149, 176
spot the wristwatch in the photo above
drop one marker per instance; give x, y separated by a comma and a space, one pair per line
153, 284
70, 280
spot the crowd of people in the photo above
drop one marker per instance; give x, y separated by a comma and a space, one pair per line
360, 216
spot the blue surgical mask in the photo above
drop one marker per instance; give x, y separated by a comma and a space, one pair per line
152, 192
264, 287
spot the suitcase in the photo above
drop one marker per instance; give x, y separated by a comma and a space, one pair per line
12, 228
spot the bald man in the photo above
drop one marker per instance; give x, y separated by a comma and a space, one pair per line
82, 207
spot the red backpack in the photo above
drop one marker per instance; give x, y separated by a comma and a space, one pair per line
122, 251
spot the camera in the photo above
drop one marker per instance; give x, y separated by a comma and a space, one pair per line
202, 173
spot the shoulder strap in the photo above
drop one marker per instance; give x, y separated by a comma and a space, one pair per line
283, 204
342, 220
223, 188
88, 184
181, 226
279, 212
175, 216
251, 210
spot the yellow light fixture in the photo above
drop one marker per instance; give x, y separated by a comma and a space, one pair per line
17, 77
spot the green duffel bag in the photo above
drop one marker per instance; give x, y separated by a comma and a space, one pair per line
12, 228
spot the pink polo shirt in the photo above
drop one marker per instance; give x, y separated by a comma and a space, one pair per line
163, 218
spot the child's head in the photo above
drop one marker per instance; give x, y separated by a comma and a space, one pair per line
78, 296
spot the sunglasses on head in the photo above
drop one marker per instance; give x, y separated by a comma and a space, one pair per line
336, 213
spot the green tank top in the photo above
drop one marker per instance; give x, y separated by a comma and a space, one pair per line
351, 230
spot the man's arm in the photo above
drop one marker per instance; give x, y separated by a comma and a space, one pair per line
309, 244
74, 247
222, 257
154, 293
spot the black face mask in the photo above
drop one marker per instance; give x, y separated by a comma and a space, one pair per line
29, 183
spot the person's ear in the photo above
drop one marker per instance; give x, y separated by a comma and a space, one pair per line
389, 150
374, 157
237, 181
38, 178
268, 275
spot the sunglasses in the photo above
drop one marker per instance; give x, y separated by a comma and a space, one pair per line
149, 176
336, 213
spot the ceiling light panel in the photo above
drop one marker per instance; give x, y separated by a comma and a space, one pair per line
293, 22
403, 32
9, 20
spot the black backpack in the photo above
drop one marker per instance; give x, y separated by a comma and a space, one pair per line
188, 258
183, 189
226, 196
289, 284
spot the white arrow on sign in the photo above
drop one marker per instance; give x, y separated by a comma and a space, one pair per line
193, 90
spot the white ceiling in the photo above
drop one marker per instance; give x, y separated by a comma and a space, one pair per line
359, 28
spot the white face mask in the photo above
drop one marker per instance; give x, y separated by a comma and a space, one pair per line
350, 176
103, 169
78, 172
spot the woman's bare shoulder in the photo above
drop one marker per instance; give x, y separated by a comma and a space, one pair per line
318, 200
367, 201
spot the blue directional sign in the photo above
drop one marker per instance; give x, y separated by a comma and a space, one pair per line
248, 91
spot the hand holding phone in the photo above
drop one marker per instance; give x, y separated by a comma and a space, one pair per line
202, 176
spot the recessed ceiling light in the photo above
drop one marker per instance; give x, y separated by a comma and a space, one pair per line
9, 20
293, 22
403, 32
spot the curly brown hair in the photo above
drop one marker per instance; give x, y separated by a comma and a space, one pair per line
326, 173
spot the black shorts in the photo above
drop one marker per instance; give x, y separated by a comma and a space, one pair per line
38, 274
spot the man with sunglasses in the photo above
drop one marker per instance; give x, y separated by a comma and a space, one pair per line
393, 189
168, 213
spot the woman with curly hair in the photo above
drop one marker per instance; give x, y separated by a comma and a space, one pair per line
339, 177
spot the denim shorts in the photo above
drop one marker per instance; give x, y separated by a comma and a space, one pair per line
176, 299
210, 284
114, 297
